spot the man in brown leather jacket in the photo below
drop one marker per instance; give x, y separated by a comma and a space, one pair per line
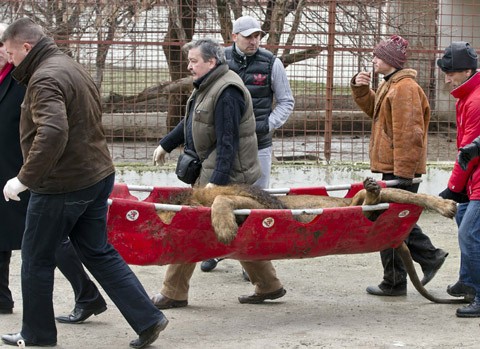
70, 174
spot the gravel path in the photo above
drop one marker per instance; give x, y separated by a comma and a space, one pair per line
326, 306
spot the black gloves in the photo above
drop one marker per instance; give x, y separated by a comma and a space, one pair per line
468, 152
403, 182
458, 197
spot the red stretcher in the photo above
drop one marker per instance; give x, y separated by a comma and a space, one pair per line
142, 238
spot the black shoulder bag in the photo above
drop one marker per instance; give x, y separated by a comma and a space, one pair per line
188, 166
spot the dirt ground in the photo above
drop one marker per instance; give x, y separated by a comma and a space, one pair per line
326, 306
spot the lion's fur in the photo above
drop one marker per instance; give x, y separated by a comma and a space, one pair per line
224, 199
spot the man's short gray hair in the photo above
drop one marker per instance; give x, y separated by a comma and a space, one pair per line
209, 48
23, 30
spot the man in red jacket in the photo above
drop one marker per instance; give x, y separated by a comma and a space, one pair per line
459, 63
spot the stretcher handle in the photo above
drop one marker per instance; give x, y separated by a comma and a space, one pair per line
295, 212
316, 211
394, 182
246, 212
389, 183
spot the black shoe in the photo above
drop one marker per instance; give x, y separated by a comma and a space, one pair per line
79, 315
14, 338
429, 273
150, 335
387, 291
258, 298
459, 289
471, 310
6, 310
210, 264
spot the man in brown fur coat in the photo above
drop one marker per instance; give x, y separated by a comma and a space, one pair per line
398, 150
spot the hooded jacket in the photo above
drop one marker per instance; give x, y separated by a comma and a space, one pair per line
61, 133
468, 128
400, 114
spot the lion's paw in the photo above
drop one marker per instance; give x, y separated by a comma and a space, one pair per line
371, 185
448, 208
226, 231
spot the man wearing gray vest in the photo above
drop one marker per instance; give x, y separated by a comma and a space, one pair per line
219, 126
266, 80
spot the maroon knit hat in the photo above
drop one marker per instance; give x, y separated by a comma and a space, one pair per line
392, 51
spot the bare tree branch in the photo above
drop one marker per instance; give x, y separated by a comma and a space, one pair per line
300, 56
296, 23
226, 26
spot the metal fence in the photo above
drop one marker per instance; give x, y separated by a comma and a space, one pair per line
133, 51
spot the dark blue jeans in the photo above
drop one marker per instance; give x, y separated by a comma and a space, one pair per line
81, 216
87, 295
468, 220
463, 272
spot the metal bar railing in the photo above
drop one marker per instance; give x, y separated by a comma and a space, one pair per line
295, 212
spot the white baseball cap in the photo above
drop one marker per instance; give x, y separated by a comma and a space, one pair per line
246, 25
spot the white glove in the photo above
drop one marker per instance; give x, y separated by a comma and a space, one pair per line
12, 189
159, 156
210, 185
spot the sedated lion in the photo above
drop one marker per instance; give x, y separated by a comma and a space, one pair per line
223, 200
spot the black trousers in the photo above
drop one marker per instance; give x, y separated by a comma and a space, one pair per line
86, 293
421, 248
6, 300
